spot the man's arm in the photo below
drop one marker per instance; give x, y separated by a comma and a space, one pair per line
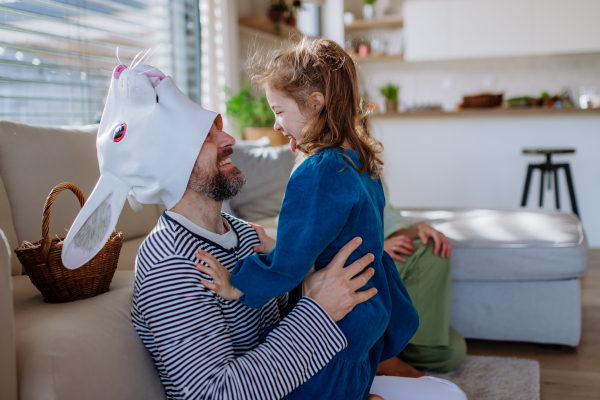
194, 342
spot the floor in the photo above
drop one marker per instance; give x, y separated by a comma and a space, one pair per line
566, 373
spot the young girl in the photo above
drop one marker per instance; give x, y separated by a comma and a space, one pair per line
332, 197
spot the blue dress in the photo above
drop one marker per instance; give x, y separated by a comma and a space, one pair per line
327, 203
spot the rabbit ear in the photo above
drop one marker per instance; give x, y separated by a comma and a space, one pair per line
95, 223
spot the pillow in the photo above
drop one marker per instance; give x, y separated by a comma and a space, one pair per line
7, 226
35, 159
268, 170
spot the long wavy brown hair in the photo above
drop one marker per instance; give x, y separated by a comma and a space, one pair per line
321, 65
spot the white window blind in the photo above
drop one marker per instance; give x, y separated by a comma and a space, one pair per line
56, 56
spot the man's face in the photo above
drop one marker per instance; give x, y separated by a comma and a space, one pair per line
214, 175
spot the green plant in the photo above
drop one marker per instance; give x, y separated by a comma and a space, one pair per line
249, 110
390, 91
371, 2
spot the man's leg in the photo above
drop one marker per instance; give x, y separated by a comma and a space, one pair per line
435, 346
437, 358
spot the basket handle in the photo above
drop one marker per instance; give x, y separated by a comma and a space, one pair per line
46, 239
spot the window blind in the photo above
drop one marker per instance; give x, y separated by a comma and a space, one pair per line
56, 56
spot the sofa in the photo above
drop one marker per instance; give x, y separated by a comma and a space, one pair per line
521, 285
88, 349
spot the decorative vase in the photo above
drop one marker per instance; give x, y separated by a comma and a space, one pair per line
291, 21
276, 138
391, 106
368, 11
276, 15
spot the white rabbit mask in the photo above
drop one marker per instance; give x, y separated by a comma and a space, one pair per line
148, 141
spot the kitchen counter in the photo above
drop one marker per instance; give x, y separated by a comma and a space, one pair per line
497, 111
474, 158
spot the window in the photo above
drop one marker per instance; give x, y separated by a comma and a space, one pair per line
56, 56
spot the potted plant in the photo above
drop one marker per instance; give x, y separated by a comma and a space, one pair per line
390, 93
368, 10
253, 115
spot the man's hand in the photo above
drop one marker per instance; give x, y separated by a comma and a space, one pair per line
220, 275
442, 243
267, 243
334, 287
399, 244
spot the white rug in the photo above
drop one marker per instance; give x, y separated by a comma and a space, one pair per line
497, 378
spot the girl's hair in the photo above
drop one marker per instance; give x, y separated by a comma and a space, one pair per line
321, 65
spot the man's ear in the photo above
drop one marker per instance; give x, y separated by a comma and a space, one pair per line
317, 100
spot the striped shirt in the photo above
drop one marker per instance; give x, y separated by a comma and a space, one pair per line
205, 347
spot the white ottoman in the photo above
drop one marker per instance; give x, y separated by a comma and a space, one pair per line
515, 273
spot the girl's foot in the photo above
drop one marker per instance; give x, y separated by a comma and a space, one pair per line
396, 367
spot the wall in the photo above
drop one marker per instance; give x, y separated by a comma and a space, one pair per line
446, 82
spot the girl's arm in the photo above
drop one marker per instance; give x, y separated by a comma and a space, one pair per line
318, 201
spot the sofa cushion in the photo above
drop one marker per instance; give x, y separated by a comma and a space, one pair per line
35, 159
6, 225
267, 170
510, 245
8, 371
87, 349
129, 253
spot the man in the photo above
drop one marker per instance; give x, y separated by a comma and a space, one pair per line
206, 347
422, 257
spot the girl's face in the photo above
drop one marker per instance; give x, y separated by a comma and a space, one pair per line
289, 120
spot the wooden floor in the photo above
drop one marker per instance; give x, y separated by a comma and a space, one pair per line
566, 373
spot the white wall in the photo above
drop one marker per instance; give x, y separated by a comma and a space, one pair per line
476, 161
446, 82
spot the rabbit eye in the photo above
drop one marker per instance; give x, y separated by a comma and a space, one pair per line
119, 132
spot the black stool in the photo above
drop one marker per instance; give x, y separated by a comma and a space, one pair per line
549, 168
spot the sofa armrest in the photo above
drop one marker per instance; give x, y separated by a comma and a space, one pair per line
8, 366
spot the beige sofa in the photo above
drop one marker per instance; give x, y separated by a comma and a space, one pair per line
85, 349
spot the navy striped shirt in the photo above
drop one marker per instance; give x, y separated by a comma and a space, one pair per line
205, 347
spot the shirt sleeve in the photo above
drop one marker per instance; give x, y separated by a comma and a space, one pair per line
195, 347
392, 220
318, 201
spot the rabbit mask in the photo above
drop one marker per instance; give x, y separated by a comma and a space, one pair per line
148, 141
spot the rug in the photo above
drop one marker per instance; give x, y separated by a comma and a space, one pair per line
497, 378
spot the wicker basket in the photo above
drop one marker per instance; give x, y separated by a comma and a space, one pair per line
42, 261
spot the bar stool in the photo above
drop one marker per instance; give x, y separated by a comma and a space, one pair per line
549, 168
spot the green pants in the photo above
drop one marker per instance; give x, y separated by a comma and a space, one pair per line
435, 346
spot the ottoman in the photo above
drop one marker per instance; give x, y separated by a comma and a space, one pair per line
515, 273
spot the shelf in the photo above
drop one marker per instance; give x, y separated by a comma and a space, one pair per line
375, 23
266, 26
383, 57
496, 111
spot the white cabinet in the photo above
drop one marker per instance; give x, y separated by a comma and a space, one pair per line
459, 29
489, 28
426, 27
566, 26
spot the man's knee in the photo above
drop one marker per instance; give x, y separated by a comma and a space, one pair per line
432, 260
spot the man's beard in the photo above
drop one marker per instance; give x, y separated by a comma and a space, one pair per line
219, 186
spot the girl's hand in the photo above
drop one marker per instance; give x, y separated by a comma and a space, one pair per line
221, 277
267, 244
